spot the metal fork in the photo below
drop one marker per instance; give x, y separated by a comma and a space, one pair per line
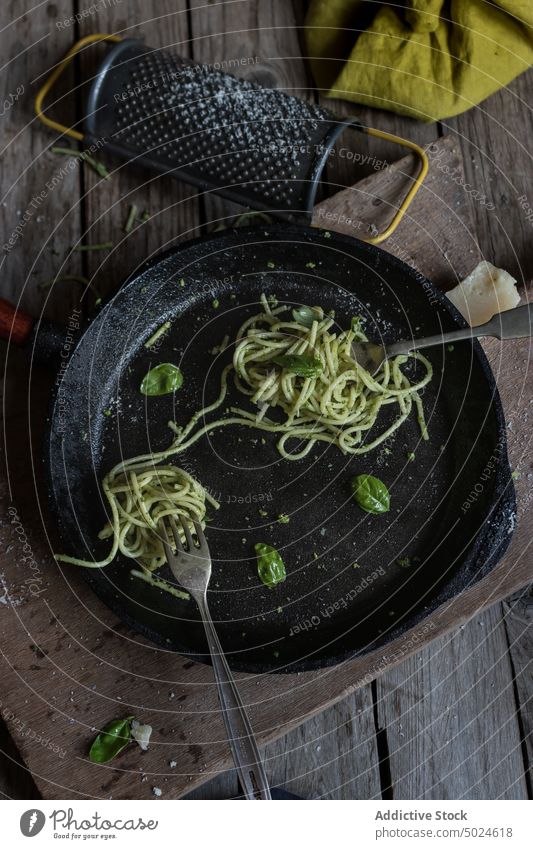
191, 567
512, 324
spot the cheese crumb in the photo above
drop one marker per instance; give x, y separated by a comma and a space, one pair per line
141, 734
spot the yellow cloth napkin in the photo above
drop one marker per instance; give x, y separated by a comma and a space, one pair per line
429, 59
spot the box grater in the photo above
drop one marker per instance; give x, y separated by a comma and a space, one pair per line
259, 147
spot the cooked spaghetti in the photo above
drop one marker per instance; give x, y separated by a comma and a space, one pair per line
141, 496
340, 404
301, 369
339, 401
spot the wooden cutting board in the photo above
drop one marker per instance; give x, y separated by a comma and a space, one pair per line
69, 666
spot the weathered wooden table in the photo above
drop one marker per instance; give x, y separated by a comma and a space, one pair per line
453, 721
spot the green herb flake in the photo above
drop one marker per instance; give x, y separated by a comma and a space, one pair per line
326, 234
160, 583
371, 494
302, 365
356, 323
410, 455
103, 246
130, 220
181, 282
279, 610
216, 304
158, 334
263, 513
310, 264
271, 264
270, 565
516, 475
93, 163
283, 519
107, 412
356, 565
404, 562
162, 380
112, 739
450, 348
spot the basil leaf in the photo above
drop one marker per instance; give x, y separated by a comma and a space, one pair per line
371, 494
300, 364
270, 566
115, 736
162, 380
306, 315
357, 323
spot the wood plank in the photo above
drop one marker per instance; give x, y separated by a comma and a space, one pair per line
333, 756
476, 665
261, 36
173, 207
451, 732
496, 141
518, 620
39, 215
223, 786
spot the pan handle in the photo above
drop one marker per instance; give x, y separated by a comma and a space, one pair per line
45, 338
15, 325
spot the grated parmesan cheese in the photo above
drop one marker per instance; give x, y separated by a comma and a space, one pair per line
141, 734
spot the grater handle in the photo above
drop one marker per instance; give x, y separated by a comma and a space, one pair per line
54, 76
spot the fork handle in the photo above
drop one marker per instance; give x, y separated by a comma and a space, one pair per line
241, 738
511, 324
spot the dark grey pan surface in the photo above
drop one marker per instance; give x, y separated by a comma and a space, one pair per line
452, 507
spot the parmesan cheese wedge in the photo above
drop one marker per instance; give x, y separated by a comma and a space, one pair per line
486, 291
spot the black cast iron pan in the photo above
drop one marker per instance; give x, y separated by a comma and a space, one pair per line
452, 506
